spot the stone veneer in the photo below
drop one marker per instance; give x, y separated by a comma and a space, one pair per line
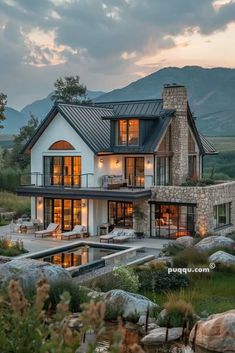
175, 97
205, 198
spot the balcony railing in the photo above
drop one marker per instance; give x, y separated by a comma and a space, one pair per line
87, 180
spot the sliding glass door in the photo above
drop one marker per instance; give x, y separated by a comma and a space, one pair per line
134, 171
65, 212
120, 214
62, 170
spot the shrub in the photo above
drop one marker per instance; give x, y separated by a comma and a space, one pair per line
198, 182
14, 203
78, 295
190, 256
112, 312
152, 265
179, 313
122, 277
10, 248
160, 281
221, 248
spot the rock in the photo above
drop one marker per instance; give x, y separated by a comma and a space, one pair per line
126, 304
158, 335
186, 241
214, 242
142, 320
28, 272
223, 258
217, 333
4, 259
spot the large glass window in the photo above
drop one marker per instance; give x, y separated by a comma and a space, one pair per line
62, 170
65, 212
165, 145
128, 132
120, 214
222, 214
172, 220
134, 171
163, 170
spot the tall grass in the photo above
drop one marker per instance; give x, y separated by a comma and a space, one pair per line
9, 179
13, 203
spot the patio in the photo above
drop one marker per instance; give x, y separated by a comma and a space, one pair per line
33, 244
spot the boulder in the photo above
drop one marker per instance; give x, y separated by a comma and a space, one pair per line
214, 242
28, 272
223, 258
158, 335
128, 305
186, 241
216, 334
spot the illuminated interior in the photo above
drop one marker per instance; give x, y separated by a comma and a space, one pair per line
62, 170
172, 220
61, 145
65, 212
128, 132
134, 171
120, 214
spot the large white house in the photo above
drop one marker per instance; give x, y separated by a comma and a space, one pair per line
96, 164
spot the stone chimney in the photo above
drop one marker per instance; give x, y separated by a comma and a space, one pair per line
175, 97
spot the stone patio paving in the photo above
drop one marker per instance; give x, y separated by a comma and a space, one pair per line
33, 244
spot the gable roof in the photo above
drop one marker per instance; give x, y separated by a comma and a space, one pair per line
92, 124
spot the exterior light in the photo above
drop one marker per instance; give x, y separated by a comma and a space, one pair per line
117, 161
83, 204
148, 161
101, 160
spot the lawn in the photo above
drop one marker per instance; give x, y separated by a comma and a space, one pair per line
213, 295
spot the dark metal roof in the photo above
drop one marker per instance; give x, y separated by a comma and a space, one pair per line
139, 108
207, 146
87, 121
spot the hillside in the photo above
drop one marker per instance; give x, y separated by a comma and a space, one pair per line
210, 91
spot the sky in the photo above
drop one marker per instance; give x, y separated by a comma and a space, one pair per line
108, 43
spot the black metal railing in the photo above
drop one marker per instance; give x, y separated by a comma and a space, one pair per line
86, 180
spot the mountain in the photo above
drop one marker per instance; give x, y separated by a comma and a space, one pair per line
15, 119
42, 106
211, 95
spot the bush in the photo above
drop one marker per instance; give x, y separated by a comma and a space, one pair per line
10, 179
122, 277
179, 313
200, 182
160, 281
190, 256
221, 248
10, 248
78, 296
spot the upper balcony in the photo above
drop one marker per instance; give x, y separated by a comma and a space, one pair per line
86, 186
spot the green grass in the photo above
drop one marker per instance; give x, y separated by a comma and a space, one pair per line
13, 203
213, 295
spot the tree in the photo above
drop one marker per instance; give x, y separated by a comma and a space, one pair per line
69, 90
3, 103
16, 157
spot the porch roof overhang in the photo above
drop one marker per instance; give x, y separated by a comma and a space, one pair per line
85, 193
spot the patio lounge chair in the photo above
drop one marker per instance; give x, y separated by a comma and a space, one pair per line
77, 232
125, 236
109, 237
52, 228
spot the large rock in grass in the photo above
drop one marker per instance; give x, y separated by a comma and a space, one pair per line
216, 334
186, 241
28, 272
128, 305
158, 335
214, 242
223, 258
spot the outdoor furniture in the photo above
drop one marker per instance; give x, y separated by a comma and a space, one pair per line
125, 236
112, 182
110, 236
52, 228
77, 232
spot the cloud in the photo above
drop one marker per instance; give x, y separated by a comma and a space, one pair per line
102, 38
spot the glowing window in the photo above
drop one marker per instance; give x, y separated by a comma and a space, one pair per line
61, 145
128, 132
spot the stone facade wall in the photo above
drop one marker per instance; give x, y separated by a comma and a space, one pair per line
175, 97
205, 198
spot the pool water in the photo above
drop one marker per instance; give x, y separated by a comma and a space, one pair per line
80, 255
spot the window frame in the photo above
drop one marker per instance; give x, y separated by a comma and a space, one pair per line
228, 214
127, 133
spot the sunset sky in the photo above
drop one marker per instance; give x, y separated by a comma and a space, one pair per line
108, 43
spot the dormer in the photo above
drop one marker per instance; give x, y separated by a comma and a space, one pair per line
127, 132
